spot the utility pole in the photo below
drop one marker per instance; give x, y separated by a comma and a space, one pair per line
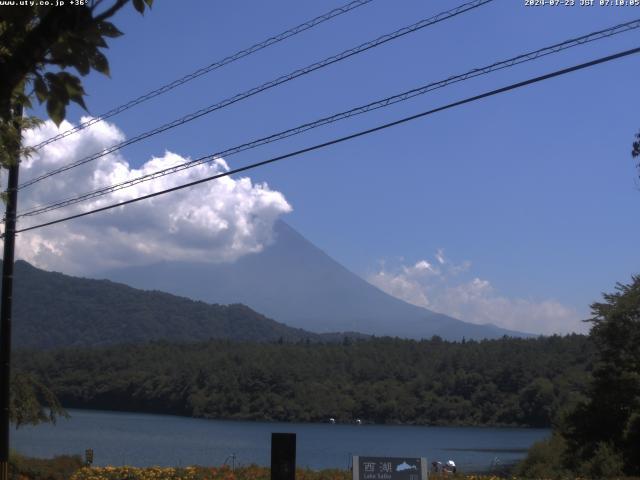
7, 297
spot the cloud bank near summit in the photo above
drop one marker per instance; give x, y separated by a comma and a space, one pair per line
450, 288
216, 221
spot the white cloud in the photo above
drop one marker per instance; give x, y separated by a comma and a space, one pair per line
473, 299
212, 222
420, 268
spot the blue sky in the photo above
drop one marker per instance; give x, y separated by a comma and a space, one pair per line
534, 189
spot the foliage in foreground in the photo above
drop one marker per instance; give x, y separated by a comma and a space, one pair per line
248, 473
31, 402
608, 423
600, 437
71, 468
544, 460
38, 47
57, 468
205, 473
496, 382
252, 472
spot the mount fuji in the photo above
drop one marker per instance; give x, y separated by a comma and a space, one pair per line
294, 282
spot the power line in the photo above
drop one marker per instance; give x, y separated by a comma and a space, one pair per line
361, 133
209, 68
268, 85
526, 57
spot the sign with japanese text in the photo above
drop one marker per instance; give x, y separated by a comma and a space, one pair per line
389, 468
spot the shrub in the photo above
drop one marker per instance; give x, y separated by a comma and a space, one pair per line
57, 468
544, 460
605, 463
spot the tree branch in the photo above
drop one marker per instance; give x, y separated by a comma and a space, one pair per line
112, 10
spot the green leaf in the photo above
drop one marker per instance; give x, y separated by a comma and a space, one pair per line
78, 53
56, 110
18, 97
99, 63
42, 92
139, 5
93, 36
82, 64
58, 94
80, 101
108, 29
60, 52
149, 3
26, 102
71, 83
74, 88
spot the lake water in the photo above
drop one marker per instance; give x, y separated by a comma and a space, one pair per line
144, 440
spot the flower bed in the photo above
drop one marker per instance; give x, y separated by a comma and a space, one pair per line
199, 473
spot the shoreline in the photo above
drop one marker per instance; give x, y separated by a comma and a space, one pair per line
363, 423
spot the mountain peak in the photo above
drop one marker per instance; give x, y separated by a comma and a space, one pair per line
295, 282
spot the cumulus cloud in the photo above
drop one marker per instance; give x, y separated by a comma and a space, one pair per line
451, 288
216, 221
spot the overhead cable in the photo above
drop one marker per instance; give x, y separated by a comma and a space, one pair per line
209, 68
266, 86
385, 102
361, 133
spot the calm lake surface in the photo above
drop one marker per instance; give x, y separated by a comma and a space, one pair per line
144, 440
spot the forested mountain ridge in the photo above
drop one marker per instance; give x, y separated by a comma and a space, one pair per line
381, 380
52, 310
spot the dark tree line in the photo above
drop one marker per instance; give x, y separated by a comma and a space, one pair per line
498, 382
600, 436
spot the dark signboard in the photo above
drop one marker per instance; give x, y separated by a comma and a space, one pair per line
283, 456
389, 468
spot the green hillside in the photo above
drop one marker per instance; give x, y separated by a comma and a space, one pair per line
52, 310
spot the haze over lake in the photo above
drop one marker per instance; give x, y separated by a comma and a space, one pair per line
143, 439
